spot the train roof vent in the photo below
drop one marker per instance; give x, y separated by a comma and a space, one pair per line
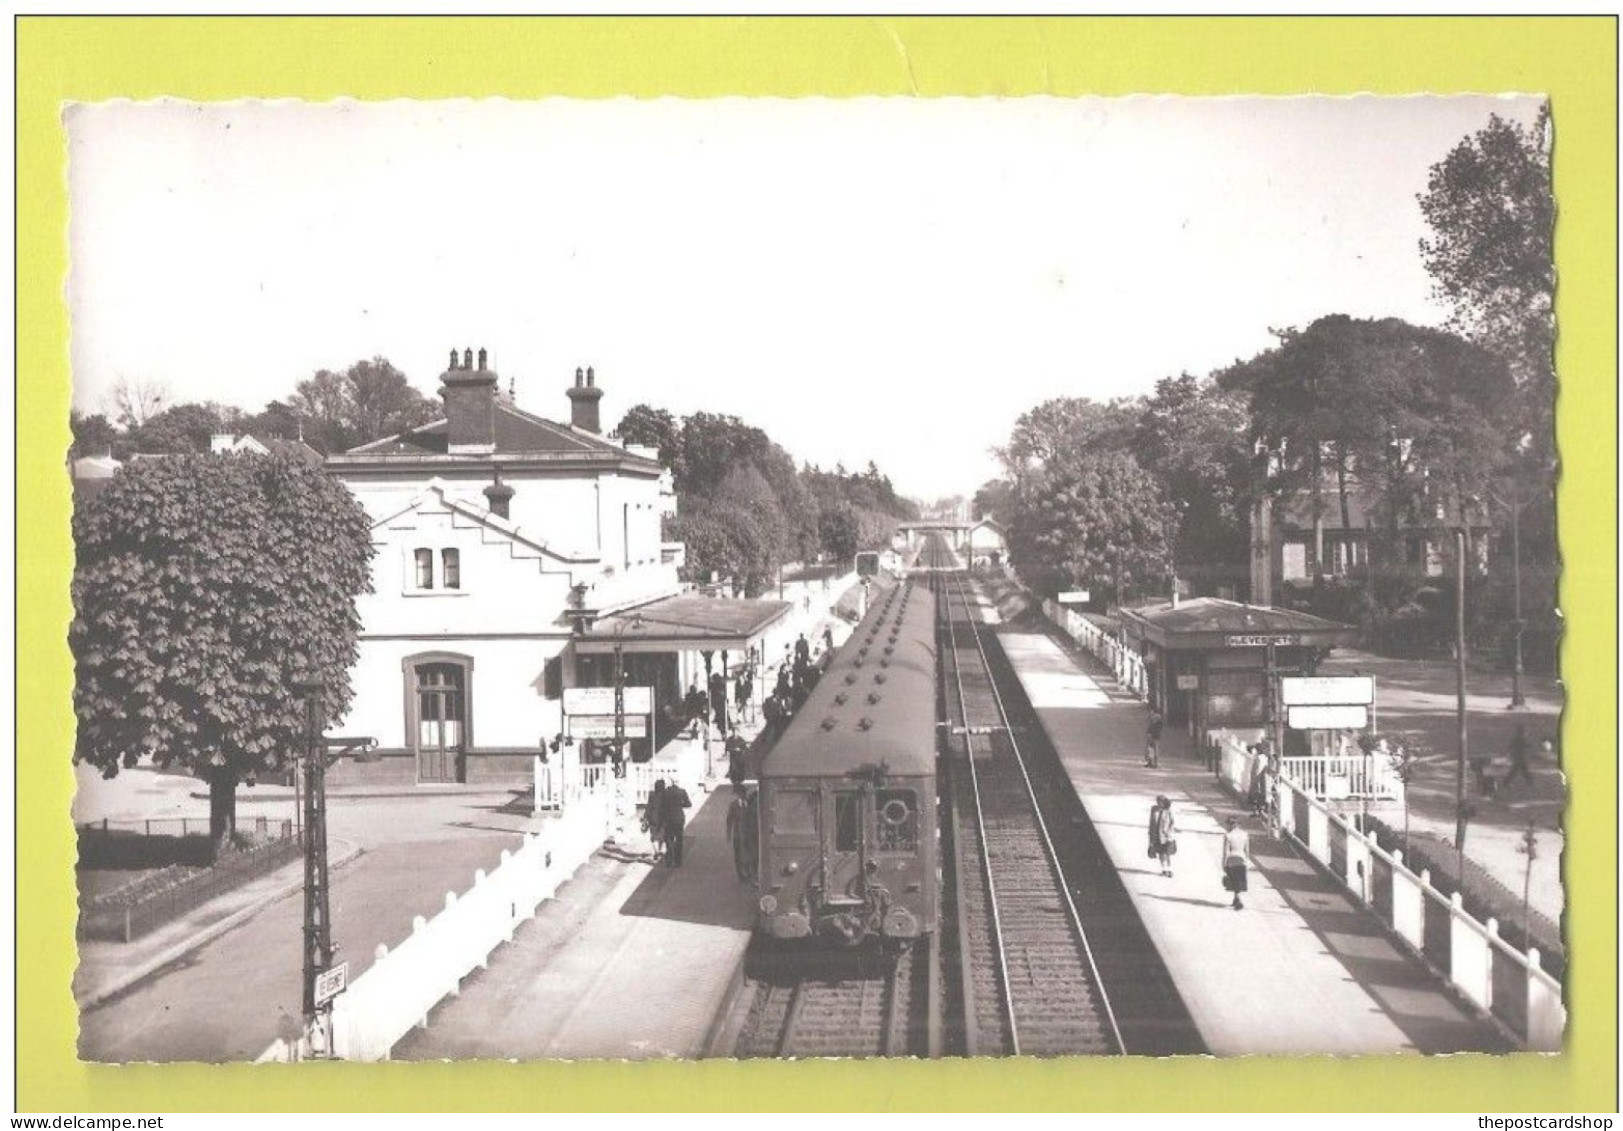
874, 697
829, 723
865, 723
879, 677
850, 677
884, 661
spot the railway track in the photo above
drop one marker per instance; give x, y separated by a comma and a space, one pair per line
848, 1004
1029, 982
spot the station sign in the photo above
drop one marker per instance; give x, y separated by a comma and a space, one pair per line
1327, 690
1075, 597
1262, 640
1328, 717
600, 701
1188, 683
331, 983
602, 726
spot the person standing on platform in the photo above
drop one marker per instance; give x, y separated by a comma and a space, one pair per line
741, 833
718, 701
1152, 740
672, 805
783, 690
1163, 833
1236, 858
742, 686
653, 819
737, 760
828, 639
1518, 756
802, 651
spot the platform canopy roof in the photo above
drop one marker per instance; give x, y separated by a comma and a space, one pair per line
683, 624
1210, 622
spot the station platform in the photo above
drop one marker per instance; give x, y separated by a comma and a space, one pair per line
630, 961
1301, 969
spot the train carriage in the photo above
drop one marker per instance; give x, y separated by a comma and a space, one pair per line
848, 844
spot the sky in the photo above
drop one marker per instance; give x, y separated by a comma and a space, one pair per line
894, 280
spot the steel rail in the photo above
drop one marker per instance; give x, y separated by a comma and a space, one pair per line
1042, 827
980, 820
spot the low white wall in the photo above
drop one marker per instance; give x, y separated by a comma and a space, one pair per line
1127, 664
404, 984
1539, 1017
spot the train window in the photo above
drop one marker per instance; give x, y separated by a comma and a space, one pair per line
898, 823
847, 822
794, 811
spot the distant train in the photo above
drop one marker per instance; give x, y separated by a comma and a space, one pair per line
847, 803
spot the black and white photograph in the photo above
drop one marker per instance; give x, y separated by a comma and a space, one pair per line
763, 578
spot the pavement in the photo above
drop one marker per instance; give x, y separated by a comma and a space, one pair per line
631, 960
1416, 706
1302, 969
225, 981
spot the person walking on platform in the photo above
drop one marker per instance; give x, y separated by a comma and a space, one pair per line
718, 701
653, 819
672, 804
802, 651
1236, 857
737, 760
1163, 834
742, 834
1152, 740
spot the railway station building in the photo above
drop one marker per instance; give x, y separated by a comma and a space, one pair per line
515, 556
1208, 661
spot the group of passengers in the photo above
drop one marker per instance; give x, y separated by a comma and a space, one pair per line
664, 819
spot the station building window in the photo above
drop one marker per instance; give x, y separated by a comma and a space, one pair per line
428, 572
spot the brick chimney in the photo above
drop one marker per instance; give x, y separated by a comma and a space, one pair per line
469, 390
500, 496
583, 400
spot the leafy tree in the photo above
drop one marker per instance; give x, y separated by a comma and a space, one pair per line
92, 435
277, 420
995, 499
840, 531
1492, 215
181, 428
382, 402
368, 401
1092, 519
651, 427
322, 402
1406, 410
1068, 425
204, 584
1192, 436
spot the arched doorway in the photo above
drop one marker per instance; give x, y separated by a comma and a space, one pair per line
438, 720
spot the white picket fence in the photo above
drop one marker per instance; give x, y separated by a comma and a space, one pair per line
403, 984
1495, 976
1127, 664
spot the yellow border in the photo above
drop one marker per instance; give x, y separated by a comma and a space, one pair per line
1574, 60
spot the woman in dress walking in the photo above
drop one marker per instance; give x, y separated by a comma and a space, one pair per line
1163, 834
1236, 857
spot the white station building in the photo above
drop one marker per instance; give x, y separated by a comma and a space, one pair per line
514, 557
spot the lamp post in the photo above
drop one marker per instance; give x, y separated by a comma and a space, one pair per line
1517, 699
318, 945
635, 624
1460, 811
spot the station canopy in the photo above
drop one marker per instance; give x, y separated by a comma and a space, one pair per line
683, 624
1207, 623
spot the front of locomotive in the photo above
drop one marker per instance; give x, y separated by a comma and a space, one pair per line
847, 835
845, 863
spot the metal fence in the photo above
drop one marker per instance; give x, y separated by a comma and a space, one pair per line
125, 915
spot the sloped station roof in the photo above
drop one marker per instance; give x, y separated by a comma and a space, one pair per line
1211, 622
519, 435
683, 624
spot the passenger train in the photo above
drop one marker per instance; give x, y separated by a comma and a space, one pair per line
847, 802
